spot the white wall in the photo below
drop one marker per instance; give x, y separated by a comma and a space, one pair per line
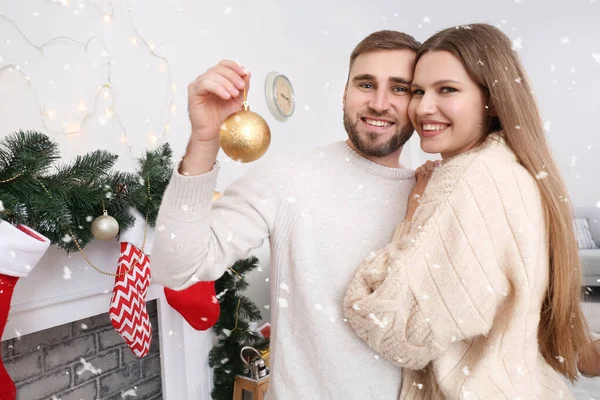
309, 41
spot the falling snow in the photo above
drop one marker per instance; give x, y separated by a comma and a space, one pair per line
285, 287
67, 273
466, 370
88, 367
129, 393
596, 57
228, 10
283, 303
426, 19
541, 175
547, 125
560, 359
564, 40
517, 43
382, 323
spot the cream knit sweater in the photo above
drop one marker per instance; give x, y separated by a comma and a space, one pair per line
455, 298
323, 211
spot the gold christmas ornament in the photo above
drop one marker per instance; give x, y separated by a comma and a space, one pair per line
245, 135
105, 227
216, 195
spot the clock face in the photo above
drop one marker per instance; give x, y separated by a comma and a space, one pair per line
284, 95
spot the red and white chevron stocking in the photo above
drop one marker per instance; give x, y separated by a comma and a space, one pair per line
128, 313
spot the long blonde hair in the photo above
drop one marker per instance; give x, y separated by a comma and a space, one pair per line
488, 57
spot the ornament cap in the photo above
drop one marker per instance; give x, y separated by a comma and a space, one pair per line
246, 106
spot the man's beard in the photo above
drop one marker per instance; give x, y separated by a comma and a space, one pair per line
367, 142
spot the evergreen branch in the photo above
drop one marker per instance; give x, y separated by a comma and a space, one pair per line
26, 154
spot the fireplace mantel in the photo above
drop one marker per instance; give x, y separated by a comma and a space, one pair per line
63, 288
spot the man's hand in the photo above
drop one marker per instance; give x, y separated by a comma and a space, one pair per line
212, 97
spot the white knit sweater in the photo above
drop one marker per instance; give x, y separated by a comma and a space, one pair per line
323, 212
458, 291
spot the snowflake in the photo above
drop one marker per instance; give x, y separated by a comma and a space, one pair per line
564, 40
547, 125
596, 57
573, 160
129, 393
382, 323
67, 273
88, 367
541, 175
284, 286
466, 370
283, 303
1, 206
517, 43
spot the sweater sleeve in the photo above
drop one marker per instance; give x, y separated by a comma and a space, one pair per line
198, 240
438, 281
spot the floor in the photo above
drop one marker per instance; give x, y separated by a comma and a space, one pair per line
589, 389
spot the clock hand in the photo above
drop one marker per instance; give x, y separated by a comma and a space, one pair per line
282, 95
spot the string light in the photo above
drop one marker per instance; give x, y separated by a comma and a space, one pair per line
105, 90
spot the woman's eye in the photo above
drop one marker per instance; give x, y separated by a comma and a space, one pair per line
448, 90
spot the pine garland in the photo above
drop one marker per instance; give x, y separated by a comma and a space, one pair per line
233, 328
61, 200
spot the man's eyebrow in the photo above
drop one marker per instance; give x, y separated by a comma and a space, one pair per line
394, 79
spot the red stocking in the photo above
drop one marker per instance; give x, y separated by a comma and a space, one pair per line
7, 284
20, 250
198, 304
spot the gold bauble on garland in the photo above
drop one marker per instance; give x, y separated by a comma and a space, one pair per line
105, 227
245, 136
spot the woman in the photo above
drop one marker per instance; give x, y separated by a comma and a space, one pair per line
485, 265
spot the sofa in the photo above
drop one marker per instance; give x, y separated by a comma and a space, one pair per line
590, 258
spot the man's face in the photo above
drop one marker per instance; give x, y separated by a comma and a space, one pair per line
376, 101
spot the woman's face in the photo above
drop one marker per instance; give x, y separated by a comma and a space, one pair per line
448, 109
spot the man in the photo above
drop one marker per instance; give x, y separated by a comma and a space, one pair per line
323, 212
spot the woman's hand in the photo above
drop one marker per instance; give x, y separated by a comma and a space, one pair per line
423, 174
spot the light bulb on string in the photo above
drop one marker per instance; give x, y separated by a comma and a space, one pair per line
105, 90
